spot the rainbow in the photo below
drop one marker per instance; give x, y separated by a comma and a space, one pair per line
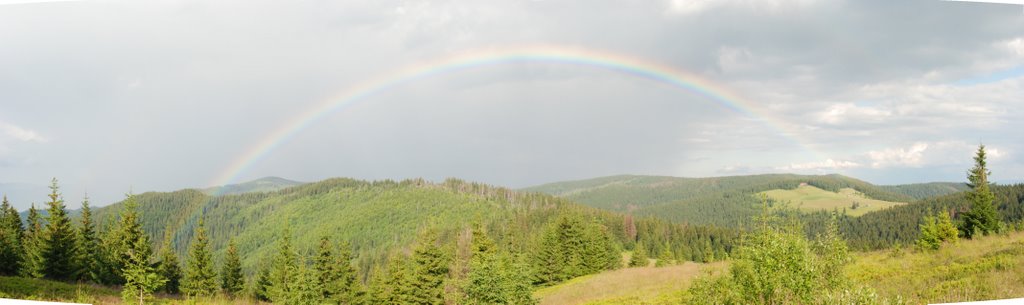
554, 54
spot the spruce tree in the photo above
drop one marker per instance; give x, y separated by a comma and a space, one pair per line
168, 267
231, 278
430, 269
261, 286
284, 270
32, 242
494, 278
200, 279
639, 258
548, 259
140, 278
127, 238
87, 246
664, 257
982, 218
348, 290
11, 232
323, 266
58, 247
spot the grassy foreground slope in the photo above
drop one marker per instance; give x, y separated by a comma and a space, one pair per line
643, 285
970, 270
810, 198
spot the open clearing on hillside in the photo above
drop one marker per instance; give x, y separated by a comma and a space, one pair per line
989, 268
810, 198
637, 285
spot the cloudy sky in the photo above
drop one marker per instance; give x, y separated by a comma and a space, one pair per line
115, 96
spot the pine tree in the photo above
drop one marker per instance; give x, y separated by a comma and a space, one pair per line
323, 266
58, 247
494, 278
549, 259
347, 289
430, 269
307, 290
391, 286
168, 266
32, 243
200, 279
947, 232
709, 252
982, 218
11, 232
639, 258
284, 270
664, 257
262, 285
231, 278
87, 246
125, 241
599, 252
140, 278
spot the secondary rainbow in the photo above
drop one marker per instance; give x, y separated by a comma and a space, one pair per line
553, 54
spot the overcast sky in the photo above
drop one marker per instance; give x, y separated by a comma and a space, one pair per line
119, 96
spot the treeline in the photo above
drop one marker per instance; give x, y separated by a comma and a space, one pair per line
719, 201
927, 190
900, 225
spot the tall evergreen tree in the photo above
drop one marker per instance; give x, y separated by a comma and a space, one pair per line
58, 247
11, 232
231, 278
127, 239
429, 272
261, 286
33, 264
131, 254
323, 266
87, 246
493, 277
168, 267
549, 259
982, 218
348, 290
140, 278
284, 270
200, 278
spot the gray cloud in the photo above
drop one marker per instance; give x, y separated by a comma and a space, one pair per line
165, 94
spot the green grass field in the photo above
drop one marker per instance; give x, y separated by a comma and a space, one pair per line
970, 270
810, 198
642, 285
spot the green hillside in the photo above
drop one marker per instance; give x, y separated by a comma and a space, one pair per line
265, 184
847, 200
927, 190
723, 201
380, 217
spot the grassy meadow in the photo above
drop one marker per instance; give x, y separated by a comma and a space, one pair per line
810, 198
969, 270
641, 285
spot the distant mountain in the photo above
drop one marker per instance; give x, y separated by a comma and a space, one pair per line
22, 195
266, 184
927, 190
724, 201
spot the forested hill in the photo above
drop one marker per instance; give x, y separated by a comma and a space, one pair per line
377, 218
265, 184
927, 190
726, 201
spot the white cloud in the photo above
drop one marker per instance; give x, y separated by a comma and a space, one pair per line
828, 164
851, 113
900, 157
21, 134
698, 6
